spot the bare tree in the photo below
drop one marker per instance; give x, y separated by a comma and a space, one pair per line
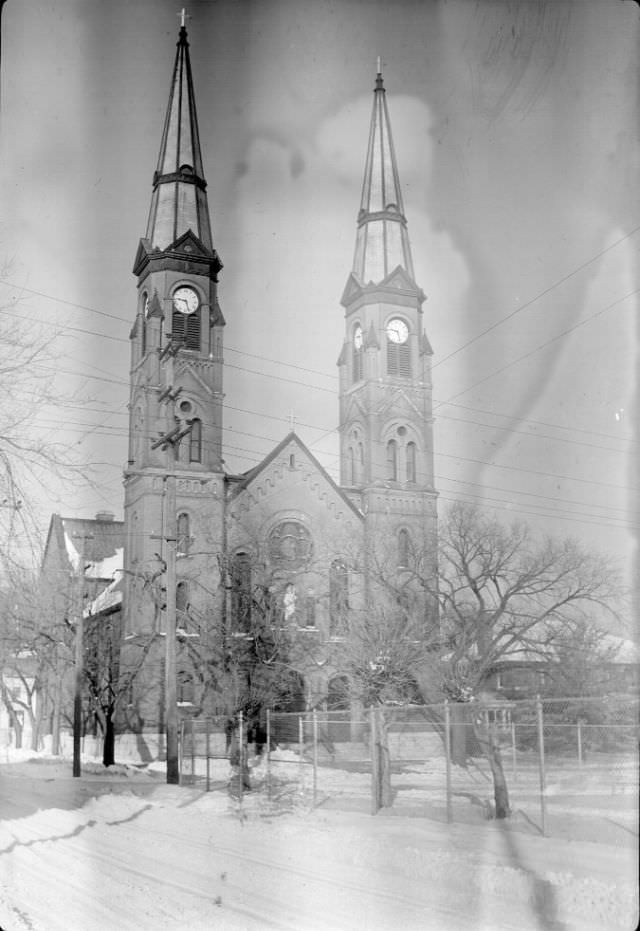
502, 592
32, 455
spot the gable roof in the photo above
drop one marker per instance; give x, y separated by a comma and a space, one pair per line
245, 480
99, 540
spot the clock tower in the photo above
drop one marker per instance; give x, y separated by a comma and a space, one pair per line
174, 482
386, 436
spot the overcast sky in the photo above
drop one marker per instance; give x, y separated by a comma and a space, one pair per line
516, 130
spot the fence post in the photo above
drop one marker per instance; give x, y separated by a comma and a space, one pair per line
540, 720
447, 750
207, 751
269, 754
180, 750
240, 756
514, 758
375, 776
301, 747
579, 742
315, 755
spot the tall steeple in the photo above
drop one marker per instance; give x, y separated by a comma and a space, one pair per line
176, 399
382, 242
179, 200
386, 439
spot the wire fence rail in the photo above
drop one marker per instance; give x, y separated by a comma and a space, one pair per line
573, 756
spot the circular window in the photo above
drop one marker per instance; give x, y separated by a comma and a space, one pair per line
290, 544
402, 431
185, 407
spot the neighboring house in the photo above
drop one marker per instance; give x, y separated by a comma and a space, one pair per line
18, 703
82, 557
613, 668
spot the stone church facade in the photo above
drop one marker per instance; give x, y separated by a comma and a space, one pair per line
313, 547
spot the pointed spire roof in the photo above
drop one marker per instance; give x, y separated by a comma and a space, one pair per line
179, 199
382, 242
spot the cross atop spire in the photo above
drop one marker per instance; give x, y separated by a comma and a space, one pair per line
183, 16
382, 241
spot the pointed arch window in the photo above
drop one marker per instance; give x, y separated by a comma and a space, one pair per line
404, 547
184, 535
356, 357
185, 688
411, 457
392, 461
195, 441
185, 329
351, 472
182, 602
360, 463
145, 313
241, 592
338, 594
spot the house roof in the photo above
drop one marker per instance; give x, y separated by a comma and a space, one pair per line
109, 599
99, 542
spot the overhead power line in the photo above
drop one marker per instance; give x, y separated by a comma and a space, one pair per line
533, 300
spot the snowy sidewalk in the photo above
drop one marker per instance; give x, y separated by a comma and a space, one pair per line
142, 854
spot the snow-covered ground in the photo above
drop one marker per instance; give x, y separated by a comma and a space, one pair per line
121, 849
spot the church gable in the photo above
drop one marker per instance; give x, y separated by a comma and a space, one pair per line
292, 477
400, 280
190, 244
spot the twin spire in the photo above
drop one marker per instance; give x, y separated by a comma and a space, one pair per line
179, 199
382, 241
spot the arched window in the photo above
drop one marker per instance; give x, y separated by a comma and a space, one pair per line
351, 472
356, 350
241, 592
411, 462
338, 594
183, 535
310, 610
195, 441
145, 311
185, 329
357, 362
182, 602
404, 547
360, 463
185, 688
392, 460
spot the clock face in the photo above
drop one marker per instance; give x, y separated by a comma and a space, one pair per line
357, 337
185, 300
397, 331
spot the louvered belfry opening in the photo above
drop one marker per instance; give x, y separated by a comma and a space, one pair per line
398, 359
185, 329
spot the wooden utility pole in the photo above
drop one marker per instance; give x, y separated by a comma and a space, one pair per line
170, 442
79, 658
170, 690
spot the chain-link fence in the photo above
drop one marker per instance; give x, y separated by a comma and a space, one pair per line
544, 761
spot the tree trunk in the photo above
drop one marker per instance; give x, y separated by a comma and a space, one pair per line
17, 726
486, 737
36, 719
109, 744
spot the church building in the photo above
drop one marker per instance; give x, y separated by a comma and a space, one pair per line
282, 545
